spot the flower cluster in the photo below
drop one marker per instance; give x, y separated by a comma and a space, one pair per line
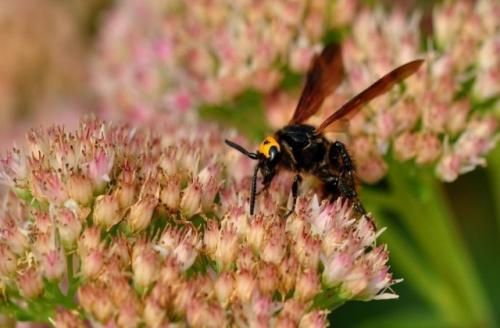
125, 227
177, 54
444, 116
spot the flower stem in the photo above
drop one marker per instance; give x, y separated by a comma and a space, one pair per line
434, 258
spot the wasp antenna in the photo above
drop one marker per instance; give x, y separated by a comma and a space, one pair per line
241, 149
253, 191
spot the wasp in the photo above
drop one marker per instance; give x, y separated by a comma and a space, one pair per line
303, 148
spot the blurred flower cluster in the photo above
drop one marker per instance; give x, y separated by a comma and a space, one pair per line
161, 55
177, 54
445, 115
124, 227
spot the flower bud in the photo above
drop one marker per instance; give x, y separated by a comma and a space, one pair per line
170, 272
405, 146
356, 281
428, 148
268, 278
293, 309
119, 249
141, 213
314, 319
168, 161
185, 254
336, 268
125, 193
154, 315
211, 237
53, 264
43, 222
30, 283
92, 262
44, 243
191, 200
371, 168
171, 194
449, 167
15, 238
273, 250
100, 166
288, 270
106, 211
245, 258
65, 318
102, 307
227, 247
145, 266
128, 314
8, 262
47, 186
69, 227
244, 285
307, 285
80, 189
223, 288
89, 240
256, 233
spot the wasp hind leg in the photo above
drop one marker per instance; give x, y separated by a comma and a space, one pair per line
295, 192
346, 184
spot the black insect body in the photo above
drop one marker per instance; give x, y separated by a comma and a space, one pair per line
303, 148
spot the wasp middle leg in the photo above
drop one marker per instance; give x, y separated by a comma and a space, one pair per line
295, 191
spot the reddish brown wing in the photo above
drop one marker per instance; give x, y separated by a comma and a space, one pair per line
324, 76
376, 89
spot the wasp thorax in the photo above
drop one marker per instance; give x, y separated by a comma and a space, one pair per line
267, 144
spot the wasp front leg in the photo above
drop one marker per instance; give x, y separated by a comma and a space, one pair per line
295, 192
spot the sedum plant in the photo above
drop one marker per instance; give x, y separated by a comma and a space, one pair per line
115, 226
438, 125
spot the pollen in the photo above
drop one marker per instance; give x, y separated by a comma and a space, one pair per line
266, 145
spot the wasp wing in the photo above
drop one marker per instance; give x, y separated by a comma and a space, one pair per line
322, 79
376, 89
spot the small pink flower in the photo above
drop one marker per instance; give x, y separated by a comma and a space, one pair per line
314, 319
141, 213
227, 247
244, 285
68, 319
307, 285
144, 265
100, 166
171, 193
191, 199
80, 188
429, 148
223, 287
92, 263
69, 227
54, 264
154, 315
106, 211
30, 283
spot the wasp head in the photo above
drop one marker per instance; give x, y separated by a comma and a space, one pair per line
268, 155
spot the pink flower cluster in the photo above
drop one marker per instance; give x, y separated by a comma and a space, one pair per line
445, 114
154, 224
154, 55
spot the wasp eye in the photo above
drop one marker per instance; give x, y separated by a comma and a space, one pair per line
273, 153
